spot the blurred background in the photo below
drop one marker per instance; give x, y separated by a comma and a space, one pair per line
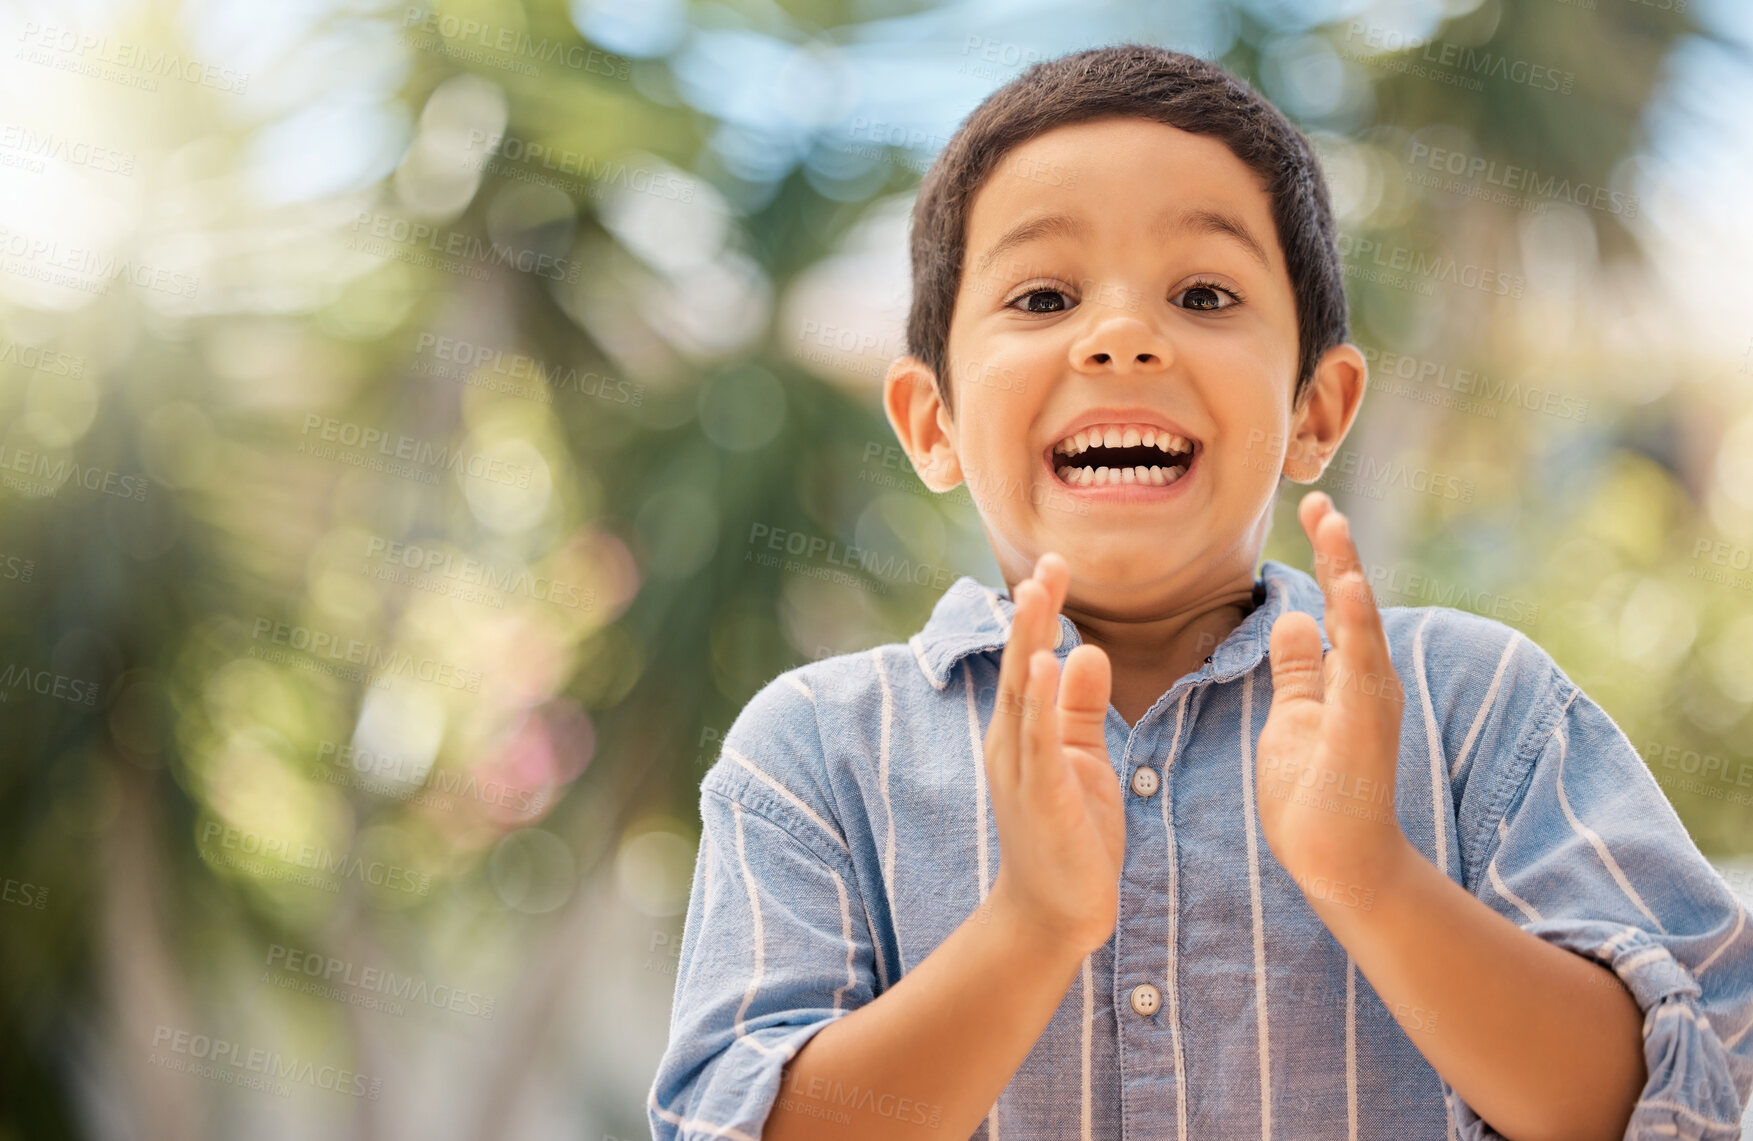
394, 398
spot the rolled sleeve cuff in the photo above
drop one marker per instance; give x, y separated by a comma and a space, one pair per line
1690, 1092
736, 1096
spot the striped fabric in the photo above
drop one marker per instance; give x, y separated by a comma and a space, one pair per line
848, 831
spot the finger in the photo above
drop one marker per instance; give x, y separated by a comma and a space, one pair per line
1363, 685
1056, 577
1002, 733
1052, 572
1298, 695
1334, 547
1295, 654
1084, 693
1350, 602
1316, 506
1040, 752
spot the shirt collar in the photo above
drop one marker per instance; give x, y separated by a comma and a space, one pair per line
972, 618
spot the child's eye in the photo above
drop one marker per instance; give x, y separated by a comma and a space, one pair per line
1042, 300
1209, 297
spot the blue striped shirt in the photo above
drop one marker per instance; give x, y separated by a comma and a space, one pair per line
847, 832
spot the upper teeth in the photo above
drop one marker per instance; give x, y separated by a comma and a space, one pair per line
1123, 436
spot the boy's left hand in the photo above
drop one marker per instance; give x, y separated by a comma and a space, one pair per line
1327, 755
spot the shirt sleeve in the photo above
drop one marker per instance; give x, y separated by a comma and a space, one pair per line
775, 945
1590, 855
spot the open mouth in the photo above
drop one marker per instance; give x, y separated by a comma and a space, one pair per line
1121, 456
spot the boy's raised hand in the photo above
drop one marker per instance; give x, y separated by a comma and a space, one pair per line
1057, 801
1328, 752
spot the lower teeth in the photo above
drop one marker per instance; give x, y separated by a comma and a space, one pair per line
1109, 477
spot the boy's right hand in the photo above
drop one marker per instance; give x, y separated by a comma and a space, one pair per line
1055, 796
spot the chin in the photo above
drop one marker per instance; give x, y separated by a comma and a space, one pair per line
1125, 566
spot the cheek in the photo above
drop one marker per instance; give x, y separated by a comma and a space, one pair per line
1252, 419
998, 375
997, 407
991, 450
1244, 380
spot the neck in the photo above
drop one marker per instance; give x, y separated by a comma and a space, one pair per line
1177, 639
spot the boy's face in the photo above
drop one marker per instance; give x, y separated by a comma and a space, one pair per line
1123, 272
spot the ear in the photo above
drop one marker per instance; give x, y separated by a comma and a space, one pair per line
921, 422
1322, 418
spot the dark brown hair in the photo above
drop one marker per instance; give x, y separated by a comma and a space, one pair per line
1136, 81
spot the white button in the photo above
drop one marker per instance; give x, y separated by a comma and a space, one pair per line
1146, 999
1144, 780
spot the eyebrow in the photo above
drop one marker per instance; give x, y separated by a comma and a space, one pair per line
1202, 221
1046, 226
1196, 221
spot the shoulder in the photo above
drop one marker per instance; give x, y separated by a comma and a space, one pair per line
1488, 699
1461, 646
1467, 669
793, 739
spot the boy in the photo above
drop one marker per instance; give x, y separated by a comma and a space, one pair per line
1142, 846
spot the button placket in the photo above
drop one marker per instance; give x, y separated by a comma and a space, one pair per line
1151, 1038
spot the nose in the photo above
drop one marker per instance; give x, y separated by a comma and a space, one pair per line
1121, 344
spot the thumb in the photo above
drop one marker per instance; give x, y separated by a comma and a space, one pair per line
1083, 697
1295, 654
